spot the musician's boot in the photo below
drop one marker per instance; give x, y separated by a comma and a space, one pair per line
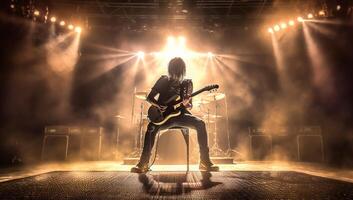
140, 168
206, 163
208, 166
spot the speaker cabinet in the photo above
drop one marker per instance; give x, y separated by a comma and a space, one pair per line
260, 147
91, 143
310, 148
55, 148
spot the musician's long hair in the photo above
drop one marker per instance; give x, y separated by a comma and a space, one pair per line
176, 69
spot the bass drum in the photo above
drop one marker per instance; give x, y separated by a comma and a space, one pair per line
172, 148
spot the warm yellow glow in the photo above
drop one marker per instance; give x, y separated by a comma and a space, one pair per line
12, 6
36, 13
70, 26
181, 41
140, 54
276, 27
62, 23
310, 16
283, 25
175, 48
270, 30
338, 7
322, 13
63, 60
210, 54
53, 19
300, 19
291, 22
171, 41
78, 29
79, 168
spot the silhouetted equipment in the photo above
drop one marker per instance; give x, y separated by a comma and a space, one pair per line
91, 143
260, 143
57, 138
117, 133
310, 144
142, 119
57, 133
141, 95
307, 141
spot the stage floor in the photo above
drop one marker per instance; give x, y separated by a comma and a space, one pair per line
110, 180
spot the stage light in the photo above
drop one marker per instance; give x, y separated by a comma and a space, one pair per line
53, 19
322, 13
291, 22
12, 6
78, 29
36, 13
276, 27
171, 41
182, 40
70, 26
300, 19
140, 54
270, 30
310, 16
338, 7
62, 23
283, 25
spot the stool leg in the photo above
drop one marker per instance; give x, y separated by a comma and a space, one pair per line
185, 133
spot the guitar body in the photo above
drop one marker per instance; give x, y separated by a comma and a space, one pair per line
158, 117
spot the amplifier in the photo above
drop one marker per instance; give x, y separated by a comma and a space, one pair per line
309, 130
260, 140
310, 148
310, 144
57, 139
91, 143
88, 140
56, 130
260, 147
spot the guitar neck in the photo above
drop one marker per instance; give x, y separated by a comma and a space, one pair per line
197, 92
192, 95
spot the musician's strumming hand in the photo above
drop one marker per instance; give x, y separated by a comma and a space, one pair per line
186, 102
162, 107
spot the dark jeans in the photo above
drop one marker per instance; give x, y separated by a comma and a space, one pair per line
183, 120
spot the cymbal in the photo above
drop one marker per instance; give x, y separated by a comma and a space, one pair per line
211, 116
119, 116
215, 96
209, 121
141, 95
200, 102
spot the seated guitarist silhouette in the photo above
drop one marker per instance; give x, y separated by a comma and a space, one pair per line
168, 87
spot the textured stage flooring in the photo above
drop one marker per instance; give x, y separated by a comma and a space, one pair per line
175, 185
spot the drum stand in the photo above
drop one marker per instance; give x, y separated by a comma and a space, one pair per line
215, 149
117, 136
229, 150
138, 139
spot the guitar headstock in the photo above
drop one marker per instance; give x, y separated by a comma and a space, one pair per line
211, 88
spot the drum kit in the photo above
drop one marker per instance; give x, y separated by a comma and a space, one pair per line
203, 105
203, 110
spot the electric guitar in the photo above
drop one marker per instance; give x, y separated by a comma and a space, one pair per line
158, 117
